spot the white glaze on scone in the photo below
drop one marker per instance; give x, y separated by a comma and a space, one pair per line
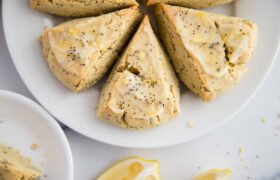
142, 90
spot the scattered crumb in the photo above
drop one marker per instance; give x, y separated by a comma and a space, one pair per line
247, 167
276, 134
279, 116
249, 178
217, 144
228, 153
34, 146
198, 167
190, 124
1, 121
257, 156
240, 151
263, 120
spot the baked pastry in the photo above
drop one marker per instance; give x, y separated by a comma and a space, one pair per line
79, 52
142, 90
190, 3
79, 8
209, 51
15, 167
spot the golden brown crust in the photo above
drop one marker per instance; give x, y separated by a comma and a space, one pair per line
190, 3
80, 8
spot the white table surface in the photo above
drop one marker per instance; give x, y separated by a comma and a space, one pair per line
259, 138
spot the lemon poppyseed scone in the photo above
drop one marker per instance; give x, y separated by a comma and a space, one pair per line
190, 3
79, 8
209, 51
15, 167
142, 90
80, 51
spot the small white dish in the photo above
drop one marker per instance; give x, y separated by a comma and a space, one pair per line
27, 127
23, 26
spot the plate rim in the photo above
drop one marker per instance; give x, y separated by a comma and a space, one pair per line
126, 145
30, 104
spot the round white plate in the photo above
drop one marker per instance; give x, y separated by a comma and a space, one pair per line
24, 123
22, 27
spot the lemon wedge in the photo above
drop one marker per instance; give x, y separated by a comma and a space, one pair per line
215, 174
132, 168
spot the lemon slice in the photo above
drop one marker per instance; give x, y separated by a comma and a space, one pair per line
215, 174
132, 168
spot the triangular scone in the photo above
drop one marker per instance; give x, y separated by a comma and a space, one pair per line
190, 3
15, 167
79, 52
142, 90
80, 8
209, 51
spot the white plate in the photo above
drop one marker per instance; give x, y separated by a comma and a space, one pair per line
22, 27
23, 123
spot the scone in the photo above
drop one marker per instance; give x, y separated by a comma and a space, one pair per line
190, 3
79, 8
15, 167
209, 51
79, 52
142, 90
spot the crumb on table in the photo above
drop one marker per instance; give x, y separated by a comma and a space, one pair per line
34, 146
240, 151
263, 120
190, 124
